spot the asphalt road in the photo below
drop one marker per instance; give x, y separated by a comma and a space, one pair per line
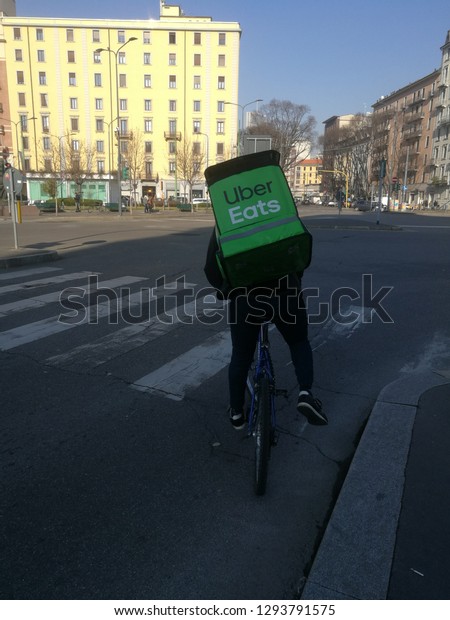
122, 478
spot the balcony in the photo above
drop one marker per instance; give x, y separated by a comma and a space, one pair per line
413, 118
445, 120
172, 135
412, 135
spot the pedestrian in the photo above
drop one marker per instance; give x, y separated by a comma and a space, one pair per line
77, 201
145, 201
280, 302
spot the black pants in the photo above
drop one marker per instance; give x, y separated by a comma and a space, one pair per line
246, 313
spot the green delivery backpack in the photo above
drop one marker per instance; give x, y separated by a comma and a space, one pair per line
259, 233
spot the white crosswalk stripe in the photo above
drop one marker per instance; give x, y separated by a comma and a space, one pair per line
106, 311
13, 275
188, 370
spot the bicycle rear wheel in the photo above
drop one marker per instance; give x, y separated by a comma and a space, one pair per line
262, 435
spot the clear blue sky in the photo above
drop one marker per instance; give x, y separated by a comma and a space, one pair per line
337, 57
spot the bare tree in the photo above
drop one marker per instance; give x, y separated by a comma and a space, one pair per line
135, 159
191, 161
291, 128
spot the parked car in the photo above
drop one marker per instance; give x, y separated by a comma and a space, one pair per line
200, 201
362, 205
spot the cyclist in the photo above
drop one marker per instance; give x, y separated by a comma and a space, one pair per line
281, 302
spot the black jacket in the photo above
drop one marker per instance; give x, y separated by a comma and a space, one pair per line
224, 291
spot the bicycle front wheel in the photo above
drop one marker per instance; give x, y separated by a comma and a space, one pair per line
262, 435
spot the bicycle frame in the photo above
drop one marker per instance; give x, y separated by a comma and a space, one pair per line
263, 366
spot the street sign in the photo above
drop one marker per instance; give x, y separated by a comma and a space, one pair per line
13, 180
405, 187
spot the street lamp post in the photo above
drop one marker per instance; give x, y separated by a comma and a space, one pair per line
116, 55
241, 137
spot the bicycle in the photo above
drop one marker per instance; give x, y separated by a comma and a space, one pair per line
261, 413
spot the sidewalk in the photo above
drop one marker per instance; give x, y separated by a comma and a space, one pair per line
388, 536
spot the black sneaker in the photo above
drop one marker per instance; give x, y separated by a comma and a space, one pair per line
311, 408
237, 419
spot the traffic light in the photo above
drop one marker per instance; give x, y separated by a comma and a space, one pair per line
382, 168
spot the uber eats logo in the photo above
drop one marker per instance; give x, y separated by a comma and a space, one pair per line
238, 194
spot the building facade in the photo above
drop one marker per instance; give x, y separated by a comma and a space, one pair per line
94, 97
440, 158
404, 130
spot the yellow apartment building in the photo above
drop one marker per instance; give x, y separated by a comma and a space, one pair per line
308, 177
82, 98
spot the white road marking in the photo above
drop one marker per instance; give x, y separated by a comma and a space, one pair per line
188, 370
65, 277
27, 272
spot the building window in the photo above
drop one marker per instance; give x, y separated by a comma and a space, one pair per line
147, 81
18, 55
197, 38
172, 105
221, 106
17, 34
20, 78
70, 56
221, 60
72, 79
172, 167
69, 35
172, 126
75, 145
172, 81
148, 125
97, 58
121, 36
22, 99
148, 147
196, 148
146, 37
96, 36
44, 100
123, 126
220, 126
196, 126
100, 146
147, 58
99, 104
149, 170
47, 165
39, 34
26, 143
42, 78
122, 80
45, 122
74, 124
122, 58
46, 144
100, 166
41, 55
172, 38
99, 124
219, 148
197, 60
97, 79
147, 105
123, 104
222, 38
221, 82
73, 103
197, 106
172, 59
197, 82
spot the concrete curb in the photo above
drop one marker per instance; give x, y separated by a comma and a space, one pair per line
355, 556
28, 259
